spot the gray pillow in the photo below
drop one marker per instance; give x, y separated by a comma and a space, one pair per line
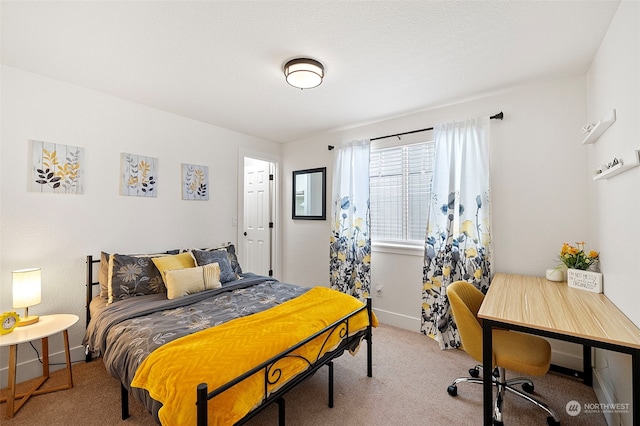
131, 276
231, 253
203, 257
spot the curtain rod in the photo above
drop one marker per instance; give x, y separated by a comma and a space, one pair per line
498, 116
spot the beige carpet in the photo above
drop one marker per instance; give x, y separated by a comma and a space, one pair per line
410, 377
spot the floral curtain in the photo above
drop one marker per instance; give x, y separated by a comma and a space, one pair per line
458, 224
350, 248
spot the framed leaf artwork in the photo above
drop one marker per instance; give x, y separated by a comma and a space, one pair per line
195, 182
138, 175
56, 168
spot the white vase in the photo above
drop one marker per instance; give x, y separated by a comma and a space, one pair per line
585, 280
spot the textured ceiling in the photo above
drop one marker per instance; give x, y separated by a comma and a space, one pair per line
220, 62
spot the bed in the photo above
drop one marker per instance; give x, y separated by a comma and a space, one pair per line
198, 341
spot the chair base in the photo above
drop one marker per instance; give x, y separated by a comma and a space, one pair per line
502, 385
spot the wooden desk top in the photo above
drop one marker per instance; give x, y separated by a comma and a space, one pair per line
554, 306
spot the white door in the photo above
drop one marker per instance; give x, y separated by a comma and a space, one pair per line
256, 243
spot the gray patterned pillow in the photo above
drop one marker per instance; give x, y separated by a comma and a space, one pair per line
131, 276
231, 253
204, 257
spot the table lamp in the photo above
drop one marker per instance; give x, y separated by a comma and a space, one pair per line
26, 292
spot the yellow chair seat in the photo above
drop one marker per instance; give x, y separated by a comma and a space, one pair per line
521, 352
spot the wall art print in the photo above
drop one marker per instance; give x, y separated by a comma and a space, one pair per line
56, 168
138, 175
195, 182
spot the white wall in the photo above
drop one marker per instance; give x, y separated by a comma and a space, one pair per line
613, 81
539, 187
56, 232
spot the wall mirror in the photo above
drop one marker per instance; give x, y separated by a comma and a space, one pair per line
310, 194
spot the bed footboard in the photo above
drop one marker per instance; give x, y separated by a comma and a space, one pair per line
272, 373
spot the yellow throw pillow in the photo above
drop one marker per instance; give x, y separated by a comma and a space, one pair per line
170, 263
211, 273
181, 282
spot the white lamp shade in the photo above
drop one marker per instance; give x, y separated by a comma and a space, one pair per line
26, 287
304, 73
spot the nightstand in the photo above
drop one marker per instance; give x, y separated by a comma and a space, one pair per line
47, 326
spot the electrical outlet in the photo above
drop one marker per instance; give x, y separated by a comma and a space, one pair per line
379, 291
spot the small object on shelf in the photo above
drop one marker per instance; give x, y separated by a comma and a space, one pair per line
616, 167
585, 280
9, 322
597, 129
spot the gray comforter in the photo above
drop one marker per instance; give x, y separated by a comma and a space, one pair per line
126, 332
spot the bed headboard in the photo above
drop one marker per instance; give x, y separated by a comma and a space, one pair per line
89, 286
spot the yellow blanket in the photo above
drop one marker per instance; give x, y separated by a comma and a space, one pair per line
219, 354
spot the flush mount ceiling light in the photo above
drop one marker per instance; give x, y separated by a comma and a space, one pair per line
304, 73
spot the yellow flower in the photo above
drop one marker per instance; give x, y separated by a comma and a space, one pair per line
593, 254
358, 223
471, 252
358, 284
446, 271
367, 258
342, 257
478, 274
467, 228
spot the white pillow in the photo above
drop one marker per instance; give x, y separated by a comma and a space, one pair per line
181, 282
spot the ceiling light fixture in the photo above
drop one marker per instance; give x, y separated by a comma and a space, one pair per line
304, 73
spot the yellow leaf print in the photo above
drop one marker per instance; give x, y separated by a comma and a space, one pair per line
367, 259
471, 252
342, 257
478, 274
446, 271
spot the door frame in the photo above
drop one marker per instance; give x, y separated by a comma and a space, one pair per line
276, 242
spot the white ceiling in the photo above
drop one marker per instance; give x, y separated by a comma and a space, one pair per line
220, 62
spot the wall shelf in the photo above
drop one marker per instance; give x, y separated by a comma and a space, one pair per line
619, 168
599, 128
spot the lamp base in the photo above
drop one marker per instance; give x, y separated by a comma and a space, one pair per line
31, 319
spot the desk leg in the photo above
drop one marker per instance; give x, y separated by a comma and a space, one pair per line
635, 386
11, 398
487, 355
587, 371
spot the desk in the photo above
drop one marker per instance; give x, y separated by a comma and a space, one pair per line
546, 308
48, 325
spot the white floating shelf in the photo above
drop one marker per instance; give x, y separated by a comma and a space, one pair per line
619, 168
599, 128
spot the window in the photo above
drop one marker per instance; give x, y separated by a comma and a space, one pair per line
400, 180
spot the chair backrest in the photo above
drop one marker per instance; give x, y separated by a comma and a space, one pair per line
465, 300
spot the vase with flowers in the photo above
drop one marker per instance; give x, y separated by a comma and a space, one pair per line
581, 267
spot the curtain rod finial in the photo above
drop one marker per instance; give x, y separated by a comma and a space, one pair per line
498, 116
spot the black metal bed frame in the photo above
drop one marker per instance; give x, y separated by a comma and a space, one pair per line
272, 373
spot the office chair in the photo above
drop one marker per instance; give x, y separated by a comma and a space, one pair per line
512, 350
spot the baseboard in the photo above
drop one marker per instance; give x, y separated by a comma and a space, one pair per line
605, 396
398, 320
28, 370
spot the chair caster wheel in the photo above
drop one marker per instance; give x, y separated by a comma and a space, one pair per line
552, 422
452, 390
528, 387
474, 372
